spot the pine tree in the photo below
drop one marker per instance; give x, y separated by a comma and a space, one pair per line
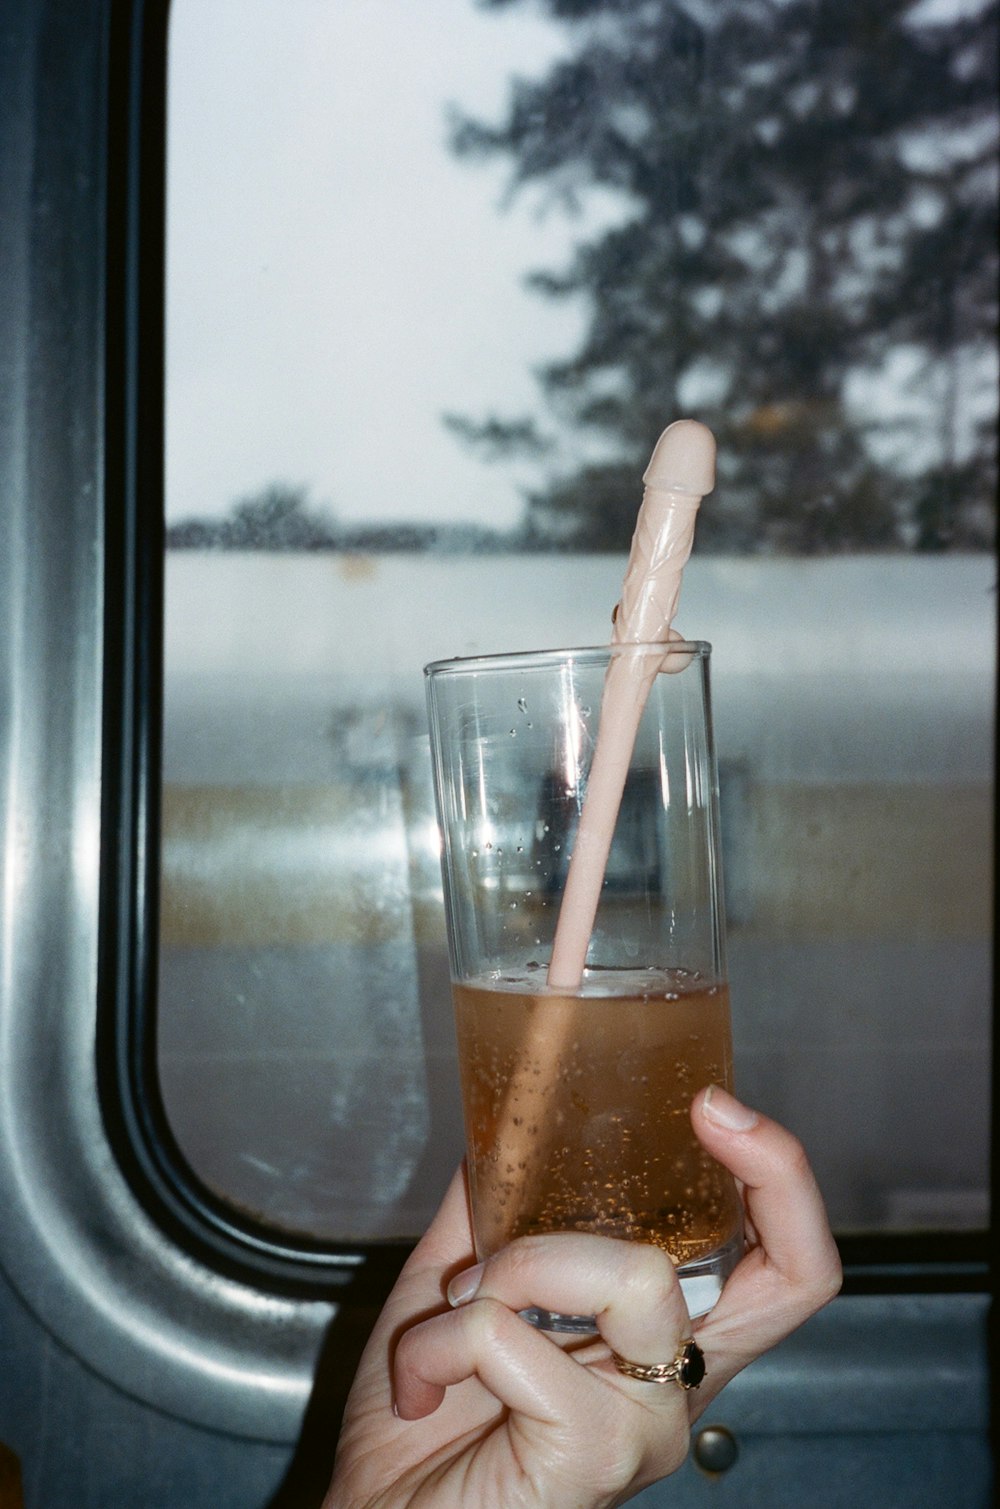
811, 192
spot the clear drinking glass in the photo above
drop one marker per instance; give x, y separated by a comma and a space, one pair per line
577, 1102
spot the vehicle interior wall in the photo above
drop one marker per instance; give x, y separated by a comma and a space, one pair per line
140, 1365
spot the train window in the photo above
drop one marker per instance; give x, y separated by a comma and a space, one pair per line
436, 277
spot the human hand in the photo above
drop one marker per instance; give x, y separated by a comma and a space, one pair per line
472, 1405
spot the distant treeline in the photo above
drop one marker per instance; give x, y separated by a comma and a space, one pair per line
367, 539
281, 518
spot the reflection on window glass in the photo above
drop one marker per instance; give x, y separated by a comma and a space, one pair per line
434, 287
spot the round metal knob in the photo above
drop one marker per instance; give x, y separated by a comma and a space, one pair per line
715, 1449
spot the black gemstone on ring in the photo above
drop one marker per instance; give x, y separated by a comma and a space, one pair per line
692, 1368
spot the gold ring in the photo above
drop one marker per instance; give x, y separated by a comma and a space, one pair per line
687, 1369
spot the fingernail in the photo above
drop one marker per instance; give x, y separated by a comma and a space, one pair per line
726, 1111
464, 1285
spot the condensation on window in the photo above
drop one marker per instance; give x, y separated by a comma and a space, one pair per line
421, 329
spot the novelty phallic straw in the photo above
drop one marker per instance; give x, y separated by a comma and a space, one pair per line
680, 472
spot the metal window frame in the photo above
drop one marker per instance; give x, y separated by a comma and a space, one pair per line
106, 1235
128, 1075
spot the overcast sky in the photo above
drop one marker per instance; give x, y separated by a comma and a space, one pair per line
336, 278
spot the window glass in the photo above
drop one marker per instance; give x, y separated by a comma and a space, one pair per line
437, 277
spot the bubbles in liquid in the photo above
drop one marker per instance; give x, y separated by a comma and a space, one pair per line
634, 1178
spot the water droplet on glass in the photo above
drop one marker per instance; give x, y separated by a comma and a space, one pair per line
522, 704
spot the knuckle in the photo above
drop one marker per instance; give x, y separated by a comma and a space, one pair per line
407, 1349
512, 1270
794, 1161
486, 1321
831, 1279
648, 1271
785, 1162
522, 1255
820, 1284
405, 1343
